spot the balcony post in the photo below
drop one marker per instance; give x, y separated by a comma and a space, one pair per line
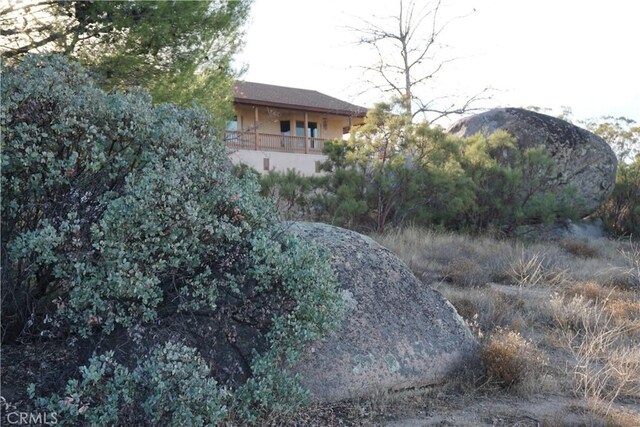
306, 133
255, 127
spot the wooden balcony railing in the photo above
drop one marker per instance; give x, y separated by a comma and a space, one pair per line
273, 142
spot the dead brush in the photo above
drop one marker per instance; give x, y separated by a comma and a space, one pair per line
606, 351
531, 270
485, 309
581, 248
512, 361
632, 256
625, 311
591, 290
622, 305
466, 272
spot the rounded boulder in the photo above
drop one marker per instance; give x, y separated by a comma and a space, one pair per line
396, 332
585, 162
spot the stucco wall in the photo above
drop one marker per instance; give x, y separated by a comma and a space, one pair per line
303, 163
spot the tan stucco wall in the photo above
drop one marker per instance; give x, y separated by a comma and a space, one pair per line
269, 121
303, 163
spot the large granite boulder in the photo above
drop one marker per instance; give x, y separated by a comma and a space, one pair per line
397, 332
584, 160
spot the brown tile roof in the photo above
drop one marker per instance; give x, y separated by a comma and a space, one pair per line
293, 98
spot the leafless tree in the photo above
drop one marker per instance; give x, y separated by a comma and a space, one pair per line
406, 46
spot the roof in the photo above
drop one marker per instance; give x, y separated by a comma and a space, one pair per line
293, 98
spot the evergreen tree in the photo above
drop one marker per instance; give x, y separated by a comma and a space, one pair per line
178, 50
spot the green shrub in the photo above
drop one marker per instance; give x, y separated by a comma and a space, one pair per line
621, 213
117, 213
107, 196
295, 195
513, 187
390, 173
171, 386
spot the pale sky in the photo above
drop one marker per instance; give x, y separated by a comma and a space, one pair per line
584, 54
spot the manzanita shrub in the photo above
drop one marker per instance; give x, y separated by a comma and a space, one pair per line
170, 387
119, 215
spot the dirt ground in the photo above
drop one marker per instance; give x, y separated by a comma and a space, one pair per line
544, 410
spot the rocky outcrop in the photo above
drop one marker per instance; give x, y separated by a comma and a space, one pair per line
397, 332
584, 160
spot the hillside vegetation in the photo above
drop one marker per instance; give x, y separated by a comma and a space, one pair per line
392, 172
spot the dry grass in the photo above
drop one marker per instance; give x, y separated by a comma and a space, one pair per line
605, 345
578, 300
466, 273
487, 308
631, 254
513, 361
591, 290
433, 256
532, 269
558, 324
581, 248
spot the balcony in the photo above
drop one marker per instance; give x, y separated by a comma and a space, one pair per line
273, 142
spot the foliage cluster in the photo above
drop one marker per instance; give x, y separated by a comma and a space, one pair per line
621, 133
116, 214
621, 213
179, 51
392, 172
171, 387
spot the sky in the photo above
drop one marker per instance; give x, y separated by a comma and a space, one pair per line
581, 54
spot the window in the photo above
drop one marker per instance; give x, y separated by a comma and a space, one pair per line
285, 131
233, 124
285, 127
312, 130
231, 137
265, 164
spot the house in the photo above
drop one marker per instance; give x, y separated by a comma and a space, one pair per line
280, 128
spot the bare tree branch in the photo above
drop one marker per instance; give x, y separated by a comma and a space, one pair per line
406, 48
35, 44
458, 109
